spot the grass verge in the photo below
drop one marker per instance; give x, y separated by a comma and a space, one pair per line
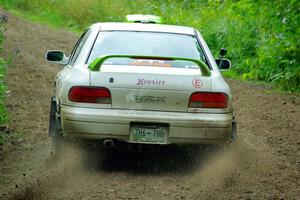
3, 90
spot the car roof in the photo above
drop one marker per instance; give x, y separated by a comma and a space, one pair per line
117, 26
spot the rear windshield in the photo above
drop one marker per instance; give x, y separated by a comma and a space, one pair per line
146, 44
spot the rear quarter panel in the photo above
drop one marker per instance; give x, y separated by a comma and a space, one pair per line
69, 77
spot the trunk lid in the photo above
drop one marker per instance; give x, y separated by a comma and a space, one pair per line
150, 88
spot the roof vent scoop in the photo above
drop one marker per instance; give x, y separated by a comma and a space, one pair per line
139, 18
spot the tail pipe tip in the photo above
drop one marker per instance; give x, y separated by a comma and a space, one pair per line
108, 143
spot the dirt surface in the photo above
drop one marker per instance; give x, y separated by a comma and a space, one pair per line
264, 163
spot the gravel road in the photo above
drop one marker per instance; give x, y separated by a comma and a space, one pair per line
264, 163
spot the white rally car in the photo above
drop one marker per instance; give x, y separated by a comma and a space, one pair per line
141, 83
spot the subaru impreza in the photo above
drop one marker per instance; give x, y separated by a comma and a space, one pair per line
141, 82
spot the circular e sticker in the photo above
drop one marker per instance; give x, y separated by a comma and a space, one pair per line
197, 83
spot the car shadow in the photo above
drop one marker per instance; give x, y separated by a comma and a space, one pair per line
148, 159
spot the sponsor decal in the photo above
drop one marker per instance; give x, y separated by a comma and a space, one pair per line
149, 99
197, 83
142, 82
150, 63
137, 113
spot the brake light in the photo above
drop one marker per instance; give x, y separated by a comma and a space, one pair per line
208, 100
85, 94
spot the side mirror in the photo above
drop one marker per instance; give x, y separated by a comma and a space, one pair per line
57, 57
223, 52
223, 64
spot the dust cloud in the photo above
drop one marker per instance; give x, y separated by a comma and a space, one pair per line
82, 165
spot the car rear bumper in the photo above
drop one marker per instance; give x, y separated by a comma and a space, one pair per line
115, 123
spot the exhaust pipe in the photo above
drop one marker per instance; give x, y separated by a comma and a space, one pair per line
108, 144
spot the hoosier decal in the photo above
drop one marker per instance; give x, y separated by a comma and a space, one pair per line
142, 81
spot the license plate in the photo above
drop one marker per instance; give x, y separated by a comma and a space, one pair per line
151, 135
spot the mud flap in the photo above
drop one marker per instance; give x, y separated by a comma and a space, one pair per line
234, 130
54, 121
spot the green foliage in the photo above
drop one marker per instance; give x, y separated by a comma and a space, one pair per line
262, 37
3, 112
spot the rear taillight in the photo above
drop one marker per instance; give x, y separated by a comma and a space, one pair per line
85, 94
208, 100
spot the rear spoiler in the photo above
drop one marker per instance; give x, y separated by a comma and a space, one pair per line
98, 62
